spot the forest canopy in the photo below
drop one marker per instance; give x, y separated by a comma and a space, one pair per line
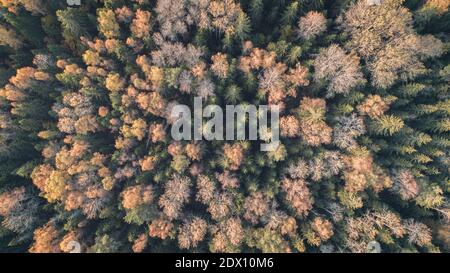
86, 154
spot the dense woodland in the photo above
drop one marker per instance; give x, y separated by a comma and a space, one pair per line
87, 156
